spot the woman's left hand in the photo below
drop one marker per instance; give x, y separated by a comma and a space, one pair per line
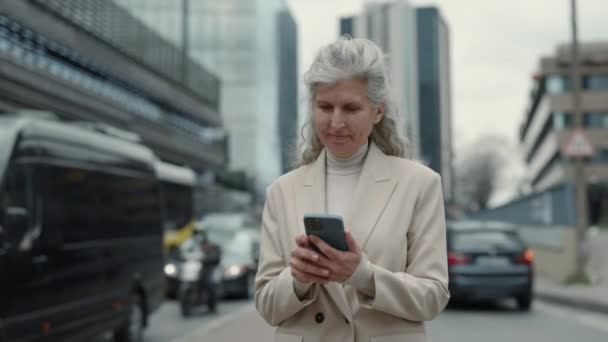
341, 265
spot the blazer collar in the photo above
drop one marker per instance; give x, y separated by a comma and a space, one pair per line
374, 189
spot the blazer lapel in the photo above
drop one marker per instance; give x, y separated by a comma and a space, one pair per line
311, 196
374, 189
312, 200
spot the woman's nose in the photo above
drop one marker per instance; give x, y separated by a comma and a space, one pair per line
337, 121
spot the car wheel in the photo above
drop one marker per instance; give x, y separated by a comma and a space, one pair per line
524, 302
132, 330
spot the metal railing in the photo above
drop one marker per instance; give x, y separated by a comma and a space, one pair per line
114, 25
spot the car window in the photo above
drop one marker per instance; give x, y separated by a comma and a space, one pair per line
485, 240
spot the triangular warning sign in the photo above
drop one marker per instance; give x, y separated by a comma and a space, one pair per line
578, 145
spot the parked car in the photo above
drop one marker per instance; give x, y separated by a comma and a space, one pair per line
489, 261
80, 232
239, 264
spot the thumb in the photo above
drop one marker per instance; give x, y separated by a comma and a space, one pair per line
350, 242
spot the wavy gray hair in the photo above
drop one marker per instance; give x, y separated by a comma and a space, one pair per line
344, 59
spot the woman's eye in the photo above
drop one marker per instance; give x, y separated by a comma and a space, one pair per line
351, 109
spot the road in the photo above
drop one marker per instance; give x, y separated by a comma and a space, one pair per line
167, 324
481, 322
501, 322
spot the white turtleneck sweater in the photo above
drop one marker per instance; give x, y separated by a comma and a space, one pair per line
342, 176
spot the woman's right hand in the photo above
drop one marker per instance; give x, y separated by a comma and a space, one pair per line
304, 267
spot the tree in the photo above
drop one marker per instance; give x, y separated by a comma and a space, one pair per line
478, 171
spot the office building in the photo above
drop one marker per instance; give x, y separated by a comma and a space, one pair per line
434, 93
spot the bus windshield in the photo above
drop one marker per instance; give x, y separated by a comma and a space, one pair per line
178, 206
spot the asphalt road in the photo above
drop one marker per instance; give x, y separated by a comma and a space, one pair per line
496, 322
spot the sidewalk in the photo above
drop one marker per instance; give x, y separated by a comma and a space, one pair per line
588, 297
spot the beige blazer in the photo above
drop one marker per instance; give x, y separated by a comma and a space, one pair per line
398, 220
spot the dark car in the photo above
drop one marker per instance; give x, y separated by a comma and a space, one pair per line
239, 264
489, 261
80, 232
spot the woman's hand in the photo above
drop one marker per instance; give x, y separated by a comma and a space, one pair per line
304, 263
341, 265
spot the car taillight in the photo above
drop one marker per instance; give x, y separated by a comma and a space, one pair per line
526, 258
458, 259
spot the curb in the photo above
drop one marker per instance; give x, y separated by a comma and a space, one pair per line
572, 301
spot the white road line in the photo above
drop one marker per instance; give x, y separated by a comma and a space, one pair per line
216, 323
589, 319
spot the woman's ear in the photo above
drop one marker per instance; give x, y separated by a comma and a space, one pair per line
379, 113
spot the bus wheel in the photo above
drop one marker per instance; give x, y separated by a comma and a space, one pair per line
132, 330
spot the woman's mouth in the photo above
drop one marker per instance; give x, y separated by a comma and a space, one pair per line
337, 138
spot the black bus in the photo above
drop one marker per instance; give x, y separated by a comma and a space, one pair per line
80, 232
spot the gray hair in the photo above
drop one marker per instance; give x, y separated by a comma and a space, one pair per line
345, 59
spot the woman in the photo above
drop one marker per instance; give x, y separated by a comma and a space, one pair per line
394, 275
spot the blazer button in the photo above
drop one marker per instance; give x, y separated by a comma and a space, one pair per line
319, 317
346, 320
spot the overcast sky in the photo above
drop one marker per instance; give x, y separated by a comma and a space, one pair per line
496, 45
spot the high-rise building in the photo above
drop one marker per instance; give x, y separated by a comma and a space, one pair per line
392, 26
288, 90
549, 120
434, 92
240, 41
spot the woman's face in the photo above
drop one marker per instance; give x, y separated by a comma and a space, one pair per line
344, 116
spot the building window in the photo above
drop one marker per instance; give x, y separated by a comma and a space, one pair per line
562, 120
595, 120
600, 156
596, 82
558, 84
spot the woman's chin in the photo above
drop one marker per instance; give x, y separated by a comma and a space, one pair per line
341, 152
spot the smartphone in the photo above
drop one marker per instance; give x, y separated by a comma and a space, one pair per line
329, 228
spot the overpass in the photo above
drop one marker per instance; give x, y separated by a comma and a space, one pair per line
91, 60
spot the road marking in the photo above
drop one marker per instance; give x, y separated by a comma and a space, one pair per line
589, 319
215, 324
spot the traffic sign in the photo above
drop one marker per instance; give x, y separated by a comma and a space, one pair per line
578, 145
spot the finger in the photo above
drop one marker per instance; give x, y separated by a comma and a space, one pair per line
305, 254
302, 240
330, 252
326, 264
350, 242
309, 268
308, 278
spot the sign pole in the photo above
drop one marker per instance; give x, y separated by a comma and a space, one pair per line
578, 170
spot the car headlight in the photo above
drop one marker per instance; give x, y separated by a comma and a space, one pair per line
234, 271
170, 270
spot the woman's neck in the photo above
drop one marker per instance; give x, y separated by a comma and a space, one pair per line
347, 165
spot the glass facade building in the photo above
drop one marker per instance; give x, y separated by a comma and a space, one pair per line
240, 41
392, 26
435, 94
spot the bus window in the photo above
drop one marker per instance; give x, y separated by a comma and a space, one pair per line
178, 205
93, 205
16, 203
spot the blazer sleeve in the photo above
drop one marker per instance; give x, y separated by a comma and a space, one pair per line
275, 295
421, 292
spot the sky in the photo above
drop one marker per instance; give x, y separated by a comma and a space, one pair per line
495, 48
